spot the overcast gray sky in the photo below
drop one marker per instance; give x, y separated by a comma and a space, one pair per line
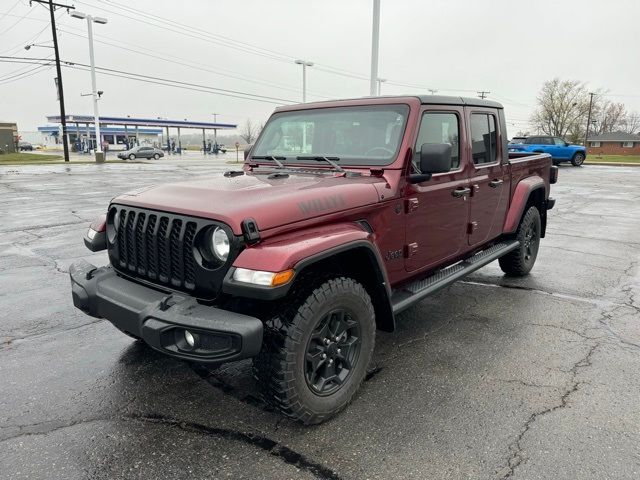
508, 47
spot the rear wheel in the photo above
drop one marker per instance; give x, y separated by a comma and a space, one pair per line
578, 159
315, 354
520, 261
132, 157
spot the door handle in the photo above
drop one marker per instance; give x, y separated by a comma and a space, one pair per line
495, 183
461, 192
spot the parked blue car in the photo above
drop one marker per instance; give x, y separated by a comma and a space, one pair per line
559, 150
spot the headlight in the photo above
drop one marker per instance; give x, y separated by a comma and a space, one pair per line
220, 244
258, 277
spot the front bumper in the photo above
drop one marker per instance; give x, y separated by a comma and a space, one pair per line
160, 318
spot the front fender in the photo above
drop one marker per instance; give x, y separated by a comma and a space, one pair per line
286, 251
519, 201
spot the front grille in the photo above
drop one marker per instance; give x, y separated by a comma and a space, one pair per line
159, 247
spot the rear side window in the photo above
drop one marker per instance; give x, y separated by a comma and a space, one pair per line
439, 127
483, 138
558, 141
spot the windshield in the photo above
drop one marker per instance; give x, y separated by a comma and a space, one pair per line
366, 135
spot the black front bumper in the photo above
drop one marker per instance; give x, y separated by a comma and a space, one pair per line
160, 318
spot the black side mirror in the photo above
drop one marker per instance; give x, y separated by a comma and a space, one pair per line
434, 158
247, 150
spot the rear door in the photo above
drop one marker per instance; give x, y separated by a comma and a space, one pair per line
559, 150
437, 210
489, 180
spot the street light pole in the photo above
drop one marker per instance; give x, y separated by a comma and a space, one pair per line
375, 40
94, 90
304, 64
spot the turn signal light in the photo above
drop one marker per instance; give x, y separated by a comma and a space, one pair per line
281, 278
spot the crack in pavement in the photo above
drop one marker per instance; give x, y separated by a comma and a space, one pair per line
6, 344
517, 456
265, 444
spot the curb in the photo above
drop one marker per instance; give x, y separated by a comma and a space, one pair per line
614, 164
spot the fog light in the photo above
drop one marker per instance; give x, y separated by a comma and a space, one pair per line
189, 338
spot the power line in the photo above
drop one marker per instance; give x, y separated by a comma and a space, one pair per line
188, 32
9, 11
198, 66
35, 71
160, 81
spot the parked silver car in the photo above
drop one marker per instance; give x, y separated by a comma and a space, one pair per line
141, 152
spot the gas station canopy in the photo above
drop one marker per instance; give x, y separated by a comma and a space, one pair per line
146, 122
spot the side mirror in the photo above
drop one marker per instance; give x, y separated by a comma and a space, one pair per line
434, 158
247, 150
566, 144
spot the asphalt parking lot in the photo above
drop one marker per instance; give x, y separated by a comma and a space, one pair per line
492, 378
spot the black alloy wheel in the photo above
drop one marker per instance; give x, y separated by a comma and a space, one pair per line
332, 351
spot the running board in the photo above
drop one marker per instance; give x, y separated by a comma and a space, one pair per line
412, 293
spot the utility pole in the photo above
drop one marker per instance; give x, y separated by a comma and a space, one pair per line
380, 82
586, 135
375, 41
63, 115
433, 91
483, 93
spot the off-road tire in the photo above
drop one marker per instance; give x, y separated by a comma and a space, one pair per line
281, 366
578, 159
520, 261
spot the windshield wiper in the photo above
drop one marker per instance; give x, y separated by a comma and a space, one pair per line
270, 157
329, 160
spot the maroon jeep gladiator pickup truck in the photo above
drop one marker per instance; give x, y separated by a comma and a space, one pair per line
344, 214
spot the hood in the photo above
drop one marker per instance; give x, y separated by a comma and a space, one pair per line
270, 202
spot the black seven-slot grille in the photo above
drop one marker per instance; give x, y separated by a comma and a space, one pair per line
159, 247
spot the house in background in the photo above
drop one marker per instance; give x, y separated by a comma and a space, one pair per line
614, 143
8, 137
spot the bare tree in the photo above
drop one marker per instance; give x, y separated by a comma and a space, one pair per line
631, 124
562, 106
249, 131
608, 117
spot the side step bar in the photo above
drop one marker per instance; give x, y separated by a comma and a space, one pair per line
406, 296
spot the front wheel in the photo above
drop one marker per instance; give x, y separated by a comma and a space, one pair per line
578, 159
132, 157
156, 156
315, 354
519, 262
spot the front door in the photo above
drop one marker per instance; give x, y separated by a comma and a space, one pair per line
489, 180
437, 210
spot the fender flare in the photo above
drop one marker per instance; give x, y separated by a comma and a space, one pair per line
519, 200
302, 250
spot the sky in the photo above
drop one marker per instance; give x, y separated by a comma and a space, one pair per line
458, 47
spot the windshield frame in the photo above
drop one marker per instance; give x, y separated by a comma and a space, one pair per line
352, 161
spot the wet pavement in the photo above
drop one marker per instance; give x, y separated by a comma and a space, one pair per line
491, 378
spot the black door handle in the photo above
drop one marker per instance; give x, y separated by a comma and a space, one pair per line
495, 183
461, 192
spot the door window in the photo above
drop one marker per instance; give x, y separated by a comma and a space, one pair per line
439, 127
483, 138
559, 142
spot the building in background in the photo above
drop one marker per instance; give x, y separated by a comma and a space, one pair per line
8, 137
614, 143
83, 139
121, 133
